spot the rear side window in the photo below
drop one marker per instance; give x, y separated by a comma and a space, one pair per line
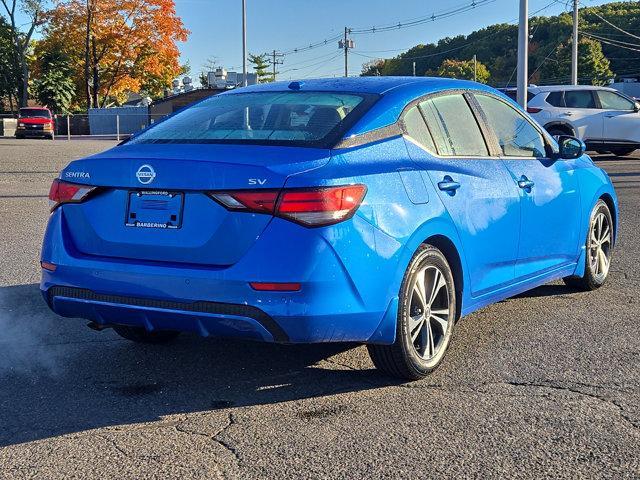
579, 99
613, 101
417, 129
516, 135
313, 119
453, 126
556, 99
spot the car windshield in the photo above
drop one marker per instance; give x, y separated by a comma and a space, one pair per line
278, 118
34, 113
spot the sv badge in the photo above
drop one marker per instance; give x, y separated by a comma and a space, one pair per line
257, 181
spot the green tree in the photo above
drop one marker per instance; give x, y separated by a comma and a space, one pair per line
21, 32
463, 69
496, 47
9, 71
261, 66
54, 85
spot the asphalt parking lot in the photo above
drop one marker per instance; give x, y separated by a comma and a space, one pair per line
544, 384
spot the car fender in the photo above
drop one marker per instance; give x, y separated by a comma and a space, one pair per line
594, 185
439, 226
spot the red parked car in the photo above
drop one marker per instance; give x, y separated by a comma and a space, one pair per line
35, 122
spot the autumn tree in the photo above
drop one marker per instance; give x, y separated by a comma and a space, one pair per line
118, 46
21, 33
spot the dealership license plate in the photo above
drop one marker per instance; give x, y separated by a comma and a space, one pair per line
155, 209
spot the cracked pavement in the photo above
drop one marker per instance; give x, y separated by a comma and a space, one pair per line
544, 384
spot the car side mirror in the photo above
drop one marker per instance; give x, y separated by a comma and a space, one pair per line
570, 147
636, 107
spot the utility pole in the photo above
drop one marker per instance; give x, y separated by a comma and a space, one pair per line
275, 62
346, 45
475, 68
574, 45
523, 53
244, 43
414, 69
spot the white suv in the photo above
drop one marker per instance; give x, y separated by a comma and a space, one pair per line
605, 119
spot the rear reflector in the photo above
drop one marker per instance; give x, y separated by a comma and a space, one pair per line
63, 192
533, 110
311, 207
275, 287
48, 266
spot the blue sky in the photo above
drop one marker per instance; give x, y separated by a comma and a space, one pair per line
286, 24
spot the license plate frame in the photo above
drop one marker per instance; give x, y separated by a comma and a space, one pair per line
154, 209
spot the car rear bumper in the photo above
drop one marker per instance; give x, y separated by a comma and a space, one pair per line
332, 304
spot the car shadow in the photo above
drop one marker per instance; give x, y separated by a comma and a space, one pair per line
59, 377
548, 290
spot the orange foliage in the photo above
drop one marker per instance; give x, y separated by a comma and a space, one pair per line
135, 42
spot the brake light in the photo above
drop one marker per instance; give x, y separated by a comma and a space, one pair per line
62, 192
322, 206
533, 110
312, 207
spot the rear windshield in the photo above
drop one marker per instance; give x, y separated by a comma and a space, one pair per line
34, 113
315, 119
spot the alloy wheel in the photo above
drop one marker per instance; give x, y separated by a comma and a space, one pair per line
600, 245
429, 312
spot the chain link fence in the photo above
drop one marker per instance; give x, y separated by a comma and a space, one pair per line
117, 126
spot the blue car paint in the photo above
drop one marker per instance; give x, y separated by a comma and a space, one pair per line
350, 272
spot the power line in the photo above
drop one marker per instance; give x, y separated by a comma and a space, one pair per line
611, 43
462, 8
614, 26
398, 25
610, 39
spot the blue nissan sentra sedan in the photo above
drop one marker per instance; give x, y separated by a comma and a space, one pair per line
376, 210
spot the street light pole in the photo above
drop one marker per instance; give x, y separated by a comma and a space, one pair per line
244, 43
574, 45
523, 53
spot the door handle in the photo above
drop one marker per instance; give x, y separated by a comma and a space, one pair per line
567, 114
525, 183
448, 185
610, 115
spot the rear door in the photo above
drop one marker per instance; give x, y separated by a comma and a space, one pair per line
621, 120
548, 189
475, 188
582, 111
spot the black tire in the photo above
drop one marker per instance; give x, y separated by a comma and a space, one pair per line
622, 152
592, 278
141, 335
402, 359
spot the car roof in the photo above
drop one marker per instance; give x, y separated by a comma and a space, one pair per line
555, 88
377, 85
34, 108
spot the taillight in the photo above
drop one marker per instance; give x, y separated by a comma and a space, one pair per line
533, 110
62, 192
312, 207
